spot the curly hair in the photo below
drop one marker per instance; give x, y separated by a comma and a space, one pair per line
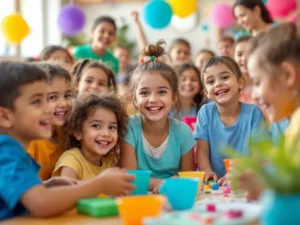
84, 107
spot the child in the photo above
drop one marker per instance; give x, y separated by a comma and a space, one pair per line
46, 152
25, 116
226, 46
155, 141
180, 51
225, 121
93, 77
190, 92
59, 53
103, 34
202, 57
123, 54
92, 134
273, 65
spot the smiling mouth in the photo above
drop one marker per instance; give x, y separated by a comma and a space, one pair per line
61, 114
103, 144
45, 123
154, 109
221, 92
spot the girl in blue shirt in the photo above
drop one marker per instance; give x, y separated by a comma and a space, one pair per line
155, 141
225, 121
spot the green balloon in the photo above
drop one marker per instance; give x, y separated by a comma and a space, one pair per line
264, 1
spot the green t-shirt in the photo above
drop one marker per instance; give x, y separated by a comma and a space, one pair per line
86, 52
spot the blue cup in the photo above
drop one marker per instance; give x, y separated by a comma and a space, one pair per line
181, 192
141, 181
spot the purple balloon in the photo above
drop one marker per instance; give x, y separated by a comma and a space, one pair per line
71, 20
221, 15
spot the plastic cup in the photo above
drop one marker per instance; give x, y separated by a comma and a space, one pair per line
134, 209
194, 174
141, 181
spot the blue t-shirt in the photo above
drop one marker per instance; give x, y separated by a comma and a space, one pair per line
181, 114
278, 129
18, 173
180, 142
210, 128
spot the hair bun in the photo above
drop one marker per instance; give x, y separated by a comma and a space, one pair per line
154, 50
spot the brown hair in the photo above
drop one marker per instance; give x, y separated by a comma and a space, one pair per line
154, 66
227, 39
179, 41
85, 106
222, 60
276, 45
81, 66
244, 38
55, 70
199, 98
47, 51
205, 51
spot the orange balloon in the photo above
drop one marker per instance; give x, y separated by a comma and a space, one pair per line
14, 28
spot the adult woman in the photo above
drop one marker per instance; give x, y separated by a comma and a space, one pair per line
252, 15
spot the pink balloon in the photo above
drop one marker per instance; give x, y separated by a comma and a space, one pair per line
281, 8
221, 15
293, 19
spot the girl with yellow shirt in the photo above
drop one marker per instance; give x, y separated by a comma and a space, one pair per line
92, 134
274, 67
47, 152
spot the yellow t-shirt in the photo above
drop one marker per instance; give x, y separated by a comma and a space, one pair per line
46, 154
292, 133
85, 170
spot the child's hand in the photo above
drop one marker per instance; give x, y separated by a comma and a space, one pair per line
210, 175
157, 186
135, 16
222, 180
116, 182
59, 181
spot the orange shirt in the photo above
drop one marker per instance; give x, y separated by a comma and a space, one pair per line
46, 154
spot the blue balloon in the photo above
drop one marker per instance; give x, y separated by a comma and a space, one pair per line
158, 14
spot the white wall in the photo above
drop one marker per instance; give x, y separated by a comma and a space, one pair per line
197, 37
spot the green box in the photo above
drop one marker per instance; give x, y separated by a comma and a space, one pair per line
98, 207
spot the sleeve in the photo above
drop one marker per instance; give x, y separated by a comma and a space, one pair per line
116, 66
78, 52
68, 159
201, 130
187, 141
18, 173
259, 128
32, 150
130, 138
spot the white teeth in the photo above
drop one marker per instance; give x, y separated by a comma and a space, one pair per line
221, 92
60, 113
154, 108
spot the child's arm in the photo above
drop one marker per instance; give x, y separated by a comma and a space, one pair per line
142, 39
187, 161
203, 160
43, 202
68, 172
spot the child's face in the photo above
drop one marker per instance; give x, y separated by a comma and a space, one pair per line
246, 17
222, 85
59, 97
189, 84
225, 48
201, 59
104, 35
93, 80
123, 55
99, 133
271, 91
61, 56
180, 53
240, 56
32, 115
153, 96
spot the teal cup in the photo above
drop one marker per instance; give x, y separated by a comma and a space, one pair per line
180, 192
141, 181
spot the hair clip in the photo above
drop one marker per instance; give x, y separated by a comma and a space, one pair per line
147, 59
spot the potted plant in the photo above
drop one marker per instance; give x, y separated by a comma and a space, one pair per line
277, 167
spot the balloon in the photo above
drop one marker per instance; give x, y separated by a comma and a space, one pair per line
293, 19
183, 8
280, 9
264, 1
205, 28
71, 20
14, 28
185, 24
221, 15
158, 14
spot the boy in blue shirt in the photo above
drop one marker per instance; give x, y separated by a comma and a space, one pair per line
225, 121
25, 116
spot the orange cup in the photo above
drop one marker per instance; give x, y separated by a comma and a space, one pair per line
228, 163
134, 209
194, 174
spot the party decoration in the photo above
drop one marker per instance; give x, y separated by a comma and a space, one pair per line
183, 8
184, 24
280, 9
158, 14
264, 1
221, 15
293, 19
14, 28
205, 27
71, 20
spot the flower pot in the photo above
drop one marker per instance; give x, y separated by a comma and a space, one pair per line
278, 209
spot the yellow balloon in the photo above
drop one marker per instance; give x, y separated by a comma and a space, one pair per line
14, 28
183, 8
